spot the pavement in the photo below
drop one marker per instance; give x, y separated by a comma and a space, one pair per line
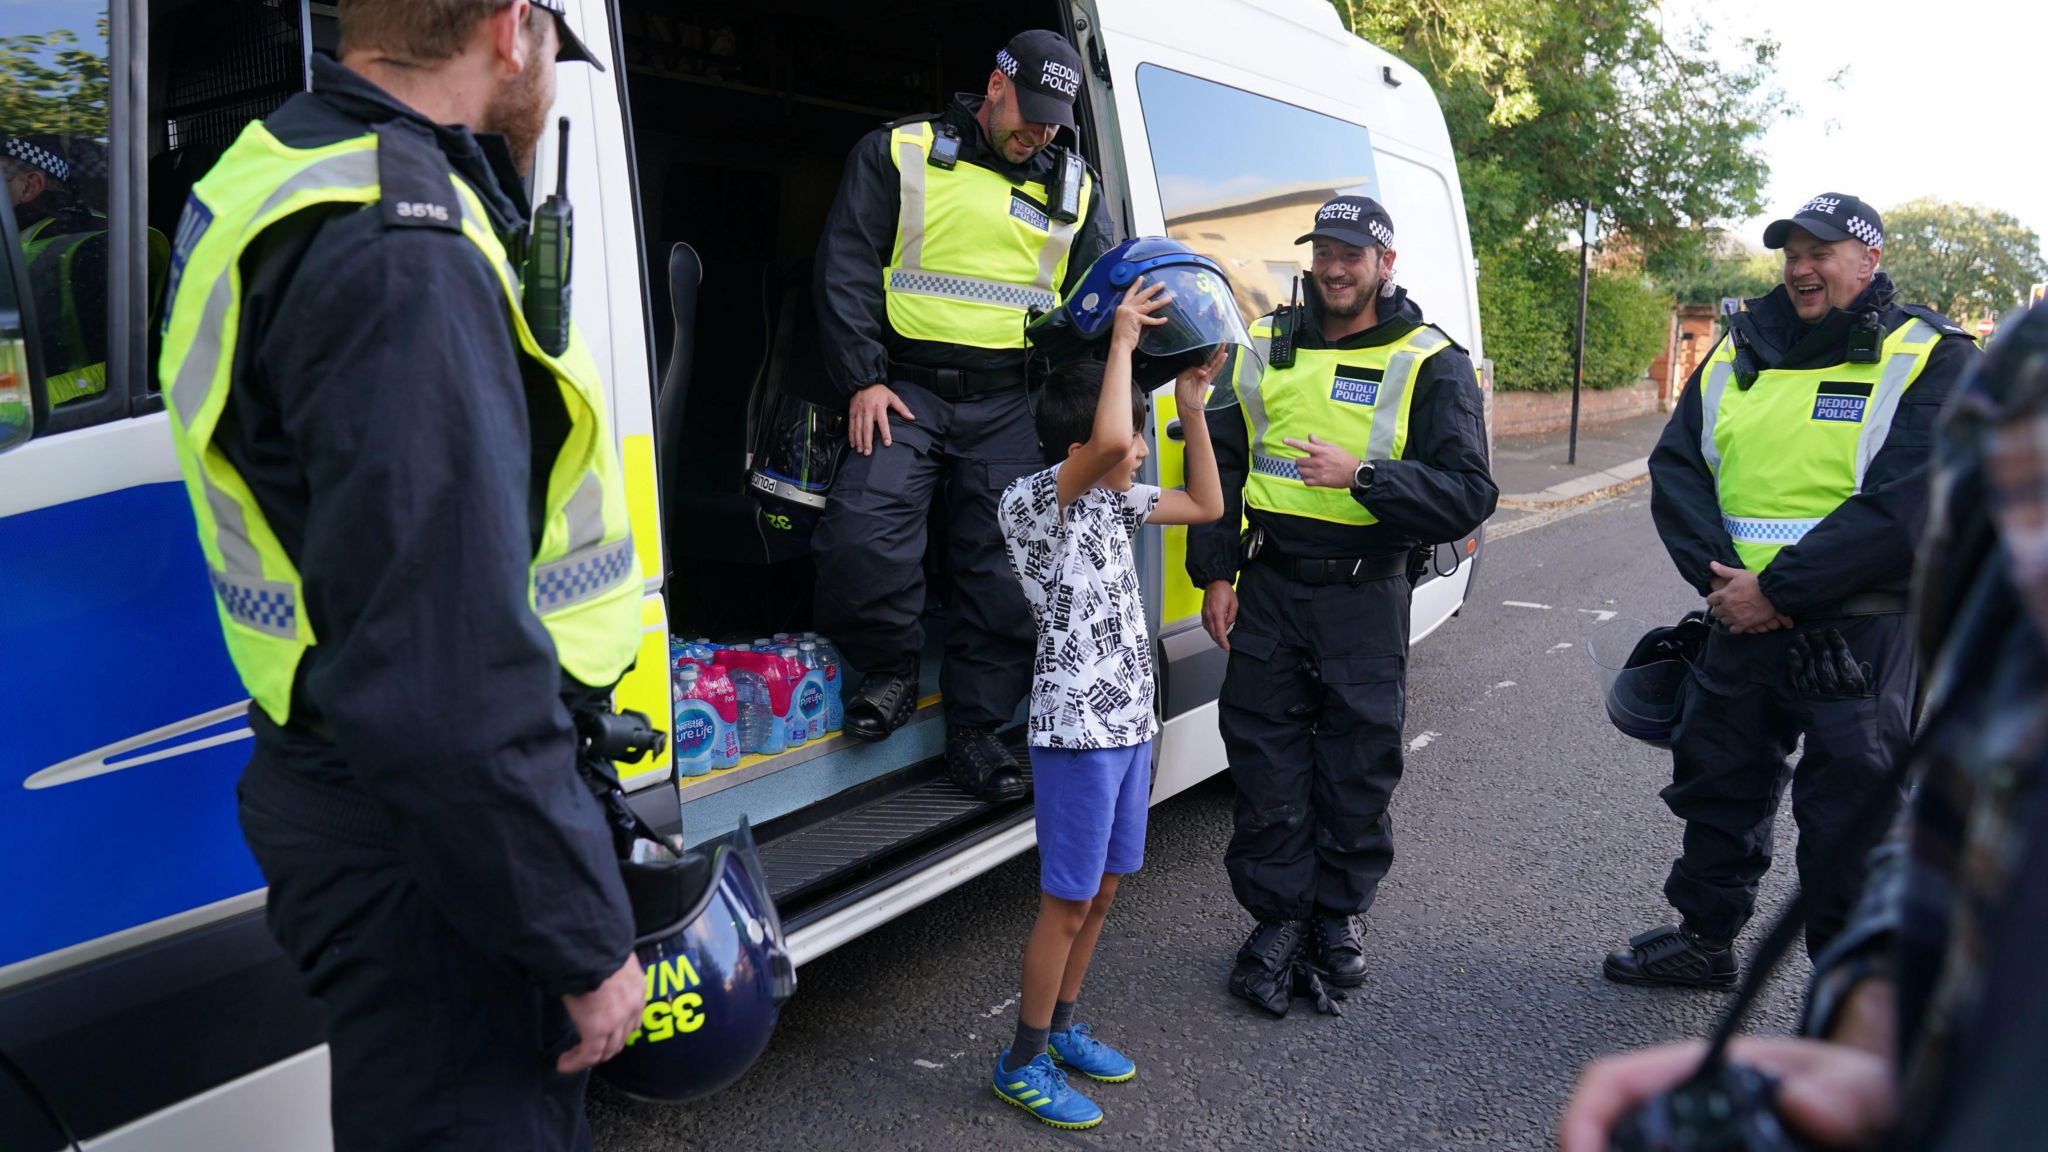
1530, 840
1532, 472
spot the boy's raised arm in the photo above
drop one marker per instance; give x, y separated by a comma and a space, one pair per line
1201, 501
1110, 439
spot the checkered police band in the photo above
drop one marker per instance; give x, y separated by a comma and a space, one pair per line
1381, 233
1006, 62
1863, 230
36, 156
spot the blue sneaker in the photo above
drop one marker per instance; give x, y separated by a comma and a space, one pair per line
1041, 1089
1078, 1049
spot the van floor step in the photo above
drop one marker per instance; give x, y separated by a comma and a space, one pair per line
840, 845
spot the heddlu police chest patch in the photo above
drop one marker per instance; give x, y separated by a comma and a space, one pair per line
1023, 209
1357, 385
1841, 402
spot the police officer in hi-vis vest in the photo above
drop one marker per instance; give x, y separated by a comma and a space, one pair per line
1790, 489
414, 522
949, 232
1360, 440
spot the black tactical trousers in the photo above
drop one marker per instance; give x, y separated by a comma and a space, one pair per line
432, 1044
870, 547
1742, 719
1311, 713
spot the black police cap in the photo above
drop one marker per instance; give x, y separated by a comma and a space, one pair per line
1047, 73
1357, 220
1830, 216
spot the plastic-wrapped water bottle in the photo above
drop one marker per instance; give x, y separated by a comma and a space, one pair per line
835, 681
812, 697
760, 684
800, 726
714, 687
697, 727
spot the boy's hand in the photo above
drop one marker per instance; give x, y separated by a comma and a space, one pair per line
1135, 314
1190, 388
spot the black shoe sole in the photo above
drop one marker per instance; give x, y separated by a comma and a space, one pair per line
1711, 982
1017, 793
1339, 981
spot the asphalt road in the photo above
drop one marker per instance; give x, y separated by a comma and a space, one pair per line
1530, 840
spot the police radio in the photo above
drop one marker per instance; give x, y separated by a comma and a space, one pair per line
1063, 198
1280, 354
546, 285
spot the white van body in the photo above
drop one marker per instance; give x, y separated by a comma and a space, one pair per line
1258, 110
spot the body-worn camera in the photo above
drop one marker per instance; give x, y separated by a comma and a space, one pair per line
622, 737
1726, 1107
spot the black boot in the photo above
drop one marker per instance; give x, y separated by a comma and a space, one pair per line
1674, 956
980, 765
883, 702
1264, 972
1339, 953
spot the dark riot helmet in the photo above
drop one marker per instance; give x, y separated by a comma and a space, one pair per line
718, 972
1201, 316
1646, 690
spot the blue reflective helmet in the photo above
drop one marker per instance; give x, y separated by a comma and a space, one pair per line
1202, 315
718, 972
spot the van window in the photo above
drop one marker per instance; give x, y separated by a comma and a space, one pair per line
54, 129
1241, 175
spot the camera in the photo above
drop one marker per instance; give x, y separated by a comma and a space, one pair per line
1725, 1107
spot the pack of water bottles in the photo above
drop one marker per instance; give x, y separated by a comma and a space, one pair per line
766, 697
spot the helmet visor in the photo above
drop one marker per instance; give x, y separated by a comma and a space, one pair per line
1201, 317
745, 860
800, 448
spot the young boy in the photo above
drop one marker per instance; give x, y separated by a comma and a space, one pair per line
1069, 530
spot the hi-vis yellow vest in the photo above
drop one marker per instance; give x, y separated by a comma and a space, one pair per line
974, 253
51, 256
584, 581
1789, 449
1359, 399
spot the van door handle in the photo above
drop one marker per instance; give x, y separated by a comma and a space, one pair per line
1174, 430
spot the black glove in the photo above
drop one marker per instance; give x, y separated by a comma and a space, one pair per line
1822, 665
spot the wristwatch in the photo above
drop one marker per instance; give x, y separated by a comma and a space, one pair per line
1363, 477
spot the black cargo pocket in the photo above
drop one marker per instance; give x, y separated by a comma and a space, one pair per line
889, 468
998, 475
1258, 682
1362, 669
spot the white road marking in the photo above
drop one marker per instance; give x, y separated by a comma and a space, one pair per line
1601, 615
1559, 647
1543, 518
1523, 604
998, 1008
1422, 741
1504, 684
927, 1064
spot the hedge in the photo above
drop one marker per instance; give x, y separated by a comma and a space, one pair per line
1528, 304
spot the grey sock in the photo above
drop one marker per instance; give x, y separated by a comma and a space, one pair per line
1062, 1015
1028, 1046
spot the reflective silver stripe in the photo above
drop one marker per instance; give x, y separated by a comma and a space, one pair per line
1393, 397
195, 374
231, 532
1884, 402
783, 490
1712, 386
910, 166
583, 576
1249, 396
586, 515
1764, 530
916, 282
268, 606
1277, 466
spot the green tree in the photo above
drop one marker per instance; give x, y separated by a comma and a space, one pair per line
50, 83
1959, 259
1715, 266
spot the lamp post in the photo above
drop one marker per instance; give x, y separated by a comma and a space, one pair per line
1588, 227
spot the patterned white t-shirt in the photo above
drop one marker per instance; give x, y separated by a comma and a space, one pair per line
1091, 684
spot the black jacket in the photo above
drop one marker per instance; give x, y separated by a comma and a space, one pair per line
1438, 491
388, 427
1867, 543
860, 235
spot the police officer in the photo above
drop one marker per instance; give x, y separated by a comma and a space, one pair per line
1790, 488
414, 522
57, 185
949, 232
1363, 443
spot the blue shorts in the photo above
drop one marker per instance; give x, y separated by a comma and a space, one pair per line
1091, 815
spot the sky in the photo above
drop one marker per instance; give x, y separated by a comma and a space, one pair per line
1943, 99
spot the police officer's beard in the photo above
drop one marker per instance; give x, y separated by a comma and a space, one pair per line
519, 112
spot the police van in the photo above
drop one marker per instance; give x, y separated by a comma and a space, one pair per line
142, 1004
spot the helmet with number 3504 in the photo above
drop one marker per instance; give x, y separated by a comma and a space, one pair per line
718, 973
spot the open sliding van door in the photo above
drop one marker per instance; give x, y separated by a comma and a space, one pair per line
1237, 119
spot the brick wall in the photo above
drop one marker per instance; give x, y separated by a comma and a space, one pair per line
1693, 332
1525, 413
